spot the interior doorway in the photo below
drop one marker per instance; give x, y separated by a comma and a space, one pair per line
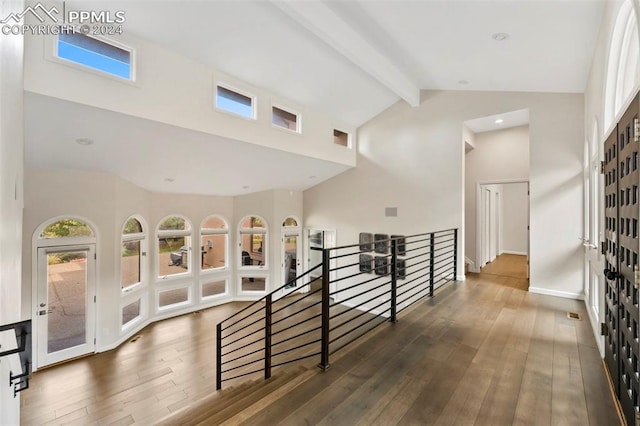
503, 228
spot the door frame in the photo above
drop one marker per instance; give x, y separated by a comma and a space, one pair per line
288, 232
480, 216
38, 243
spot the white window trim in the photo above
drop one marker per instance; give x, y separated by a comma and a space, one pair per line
254, 101
51, 54
217, 231
261, 231
298, 129
125, 328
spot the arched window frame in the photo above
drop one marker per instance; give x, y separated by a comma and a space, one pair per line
175, 233
39, 241
215, 231
140, 237
620, 86
265, 243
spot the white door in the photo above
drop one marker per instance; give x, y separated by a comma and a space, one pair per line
291, 260
65, 303
486, 222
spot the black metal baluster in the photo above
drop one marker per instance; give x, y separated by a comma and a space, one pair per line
432, 248
324, 350
219, 356
394, 275
267, 337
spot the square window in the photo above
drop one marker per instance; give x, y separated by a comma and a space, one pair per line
234, 102
285, 119
253, 284
96, 54
130, 312
214, 288
341, 138
173, 297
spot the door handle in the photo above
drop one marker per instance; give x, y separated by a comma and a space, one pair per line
45, 311
611, 275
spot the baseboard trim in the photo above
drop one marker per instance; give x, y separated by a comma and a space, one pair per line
461, 278
519, 253
557, 293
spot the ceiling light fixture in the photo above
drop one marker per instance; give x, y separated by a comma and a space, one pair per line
500, 36
465, 82
312, 177
245, 186
499, 121
84, 141
169, 179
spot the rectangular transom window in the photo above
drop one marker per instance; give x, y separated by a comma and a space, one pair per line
96, 54
340, 138
234, 102
285, 119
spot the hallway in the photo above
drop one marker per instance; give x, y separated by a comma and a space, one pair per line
507, 269
478, 353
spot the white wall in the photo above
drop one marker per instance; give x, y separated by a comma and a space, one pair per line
11, 199
515, 210
412, 158
175, 90
498, 156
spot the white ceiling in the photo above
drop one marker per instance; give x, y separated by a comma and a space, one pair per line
146, 152
348, 59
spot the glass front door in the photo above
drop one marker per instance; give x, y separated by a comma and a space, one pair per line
65, 309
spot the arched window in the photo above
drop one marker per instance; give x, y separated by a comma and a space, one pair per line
66, 228
133, 250
622, 65
174, 246
214, 236
290, 222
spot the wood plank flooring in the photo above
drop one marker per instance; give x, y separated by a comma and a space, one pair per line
508, 270
478, 353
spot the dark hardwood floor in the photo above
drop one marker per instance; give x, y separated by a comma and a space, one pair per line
478, 353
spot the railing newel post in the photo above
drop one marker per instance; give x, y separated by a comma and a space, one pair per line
432, 248
394, 277
324, 349
219, 356
267, 337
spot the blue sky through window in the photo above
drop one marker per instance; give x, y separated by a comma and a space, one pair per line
236, 103
82, 56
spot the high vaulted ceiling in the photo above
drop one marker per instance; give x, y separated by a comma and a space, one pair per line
352, 59
348, 59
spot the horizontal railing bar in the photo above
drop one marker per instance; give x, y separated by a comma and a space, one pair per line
359, 315
296, 336
340, 256
344, 266
359, 336
415, 264
445, 260
264, 297
399, 286
360, 294
243, 328
308, 294
254, 304
417, 300
442, 271
296, 313
240, 347
296, 359
427, 248
296, 324
376, 277
242, 375
364, 323
418, 241
242, 365
345, 278
389, 239
408, 293
296, 347
243, 356
443, 248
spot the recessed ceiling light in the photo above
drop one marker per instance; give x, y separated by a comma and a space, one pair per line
500, 36
312, 177
245, 186
499, 121
463, 82
84, 141
169, 179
